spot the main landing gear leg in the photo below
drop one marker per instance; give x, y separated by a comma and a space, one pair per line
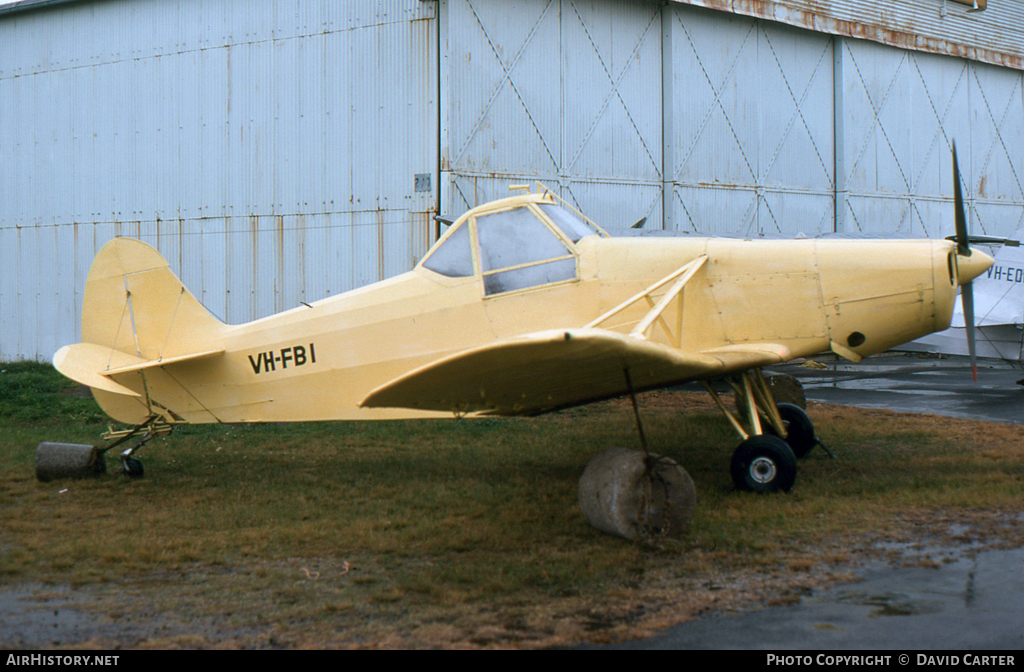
774, 436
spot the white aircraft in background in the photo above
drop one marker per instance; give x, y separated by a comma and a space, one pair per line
998, 307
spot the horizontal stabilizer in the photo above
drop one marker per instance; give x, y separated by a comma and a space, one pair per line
542, 371
86, 363
165, 361
93, 365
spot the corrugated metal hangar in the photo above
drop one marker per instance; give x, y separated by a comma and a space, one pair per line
279, 152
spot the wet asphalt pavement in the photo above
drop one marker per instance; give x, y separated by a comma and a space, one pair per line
918, 385
973, 602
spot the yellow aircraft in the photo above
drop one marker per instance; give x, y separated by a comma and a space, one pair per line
523, 306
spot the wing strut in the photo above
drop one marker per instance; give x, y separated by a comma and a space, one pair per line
681, 276
636, 412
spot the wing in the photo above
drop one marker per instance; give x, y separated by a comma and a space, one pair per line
554, 369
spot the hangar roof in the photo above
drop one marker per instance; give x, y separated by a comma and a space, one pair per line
990, 31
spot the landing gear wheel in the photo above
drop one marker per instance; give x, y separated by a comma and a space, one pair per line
132, 467
799, 429
764, 464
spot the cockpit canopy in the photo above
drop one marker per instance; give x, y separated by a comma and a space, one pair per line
524, 244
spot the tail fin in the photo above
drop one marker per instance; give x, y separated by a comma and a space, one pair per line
134, 304
136, 315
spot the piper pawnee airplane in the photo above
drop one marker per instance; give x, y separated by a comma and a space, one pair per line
523, 306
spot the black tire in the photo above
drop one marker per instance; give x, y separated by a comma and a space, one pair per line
799, 429
133, 468
764, 464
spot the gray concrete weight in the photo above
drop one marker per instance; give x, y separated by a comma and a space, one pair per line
68, 460
631, 494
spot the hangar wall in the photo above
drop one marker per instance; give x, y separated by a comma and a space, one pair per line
902, 109
723, 123
269, 150
282, 152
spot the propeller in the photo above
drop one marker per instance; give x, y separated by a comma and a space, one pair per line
963, 249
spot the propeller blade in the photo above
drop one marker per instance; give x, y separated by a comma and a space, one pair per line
967, 298
963, 248
962, 245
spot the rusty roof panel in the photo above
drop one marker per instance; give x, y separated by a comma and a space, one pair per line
995, 35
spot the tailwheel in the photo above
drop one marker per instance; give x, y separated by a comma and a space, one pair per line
132, 467
152, 427
799, 429
764, 463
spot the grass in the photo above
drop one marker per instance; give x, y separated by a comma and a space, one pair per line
463, 532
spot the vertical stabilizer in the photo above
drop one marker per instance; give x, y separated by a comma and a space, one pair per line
136, 316
134, 304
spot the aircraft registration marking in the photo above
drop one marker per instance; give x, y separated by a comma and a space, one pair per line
1009, 274
297, 355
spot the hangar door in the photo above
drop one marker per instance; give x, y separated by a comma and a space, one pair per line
564, 91
901, 112
749, 126
699, 120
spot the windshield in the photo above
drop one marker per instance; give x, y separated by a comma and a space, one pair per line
572, 225
517, 248
453, 256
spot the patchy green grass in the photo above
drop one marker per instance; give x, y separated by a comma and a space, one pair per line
462, 532
33, 393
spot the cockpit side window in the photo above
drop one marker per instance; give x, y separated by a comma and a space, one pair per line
515, 237
454, 256
518, 250
544, 273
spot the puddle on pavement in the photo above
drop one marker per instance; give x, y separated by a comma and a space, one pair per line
934, 598
891, 604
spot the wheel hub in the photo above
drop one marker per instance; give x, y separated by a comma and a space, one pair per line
762, 470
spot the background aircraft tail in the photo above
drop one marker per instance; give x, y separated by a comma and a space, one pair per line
1000, 290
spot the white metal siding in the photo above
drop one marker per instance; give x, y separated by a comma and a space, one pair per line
269, 150
570, 92
997, 149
